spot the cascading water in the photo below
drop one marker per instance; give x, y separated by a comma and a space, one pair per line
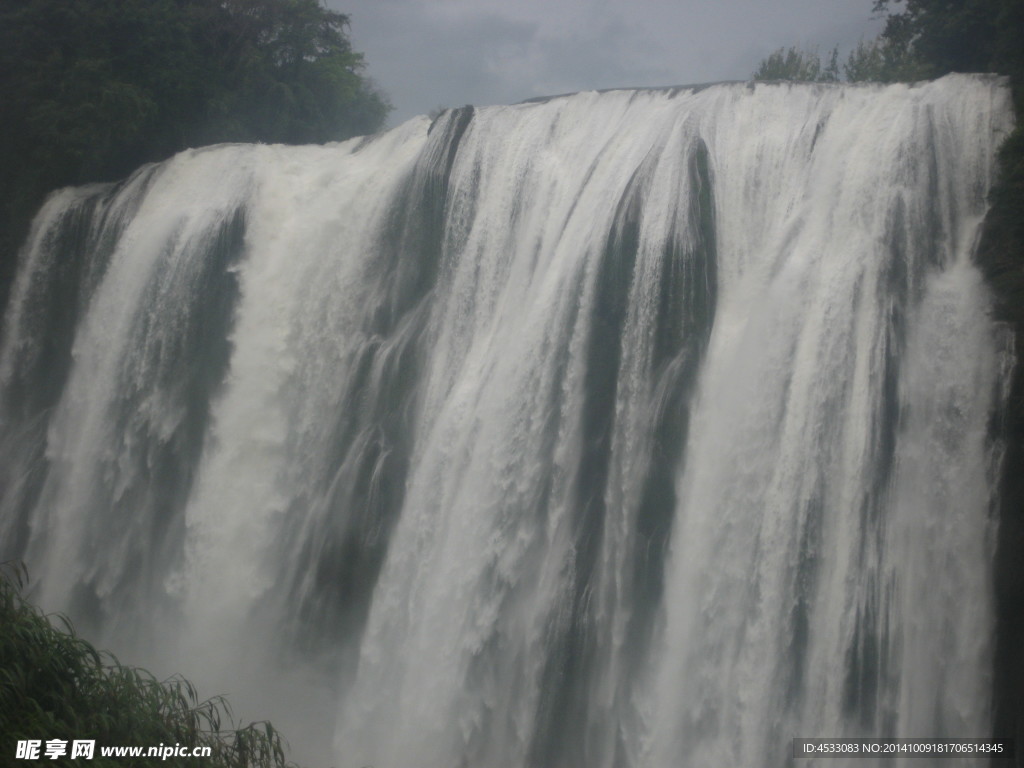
640, 429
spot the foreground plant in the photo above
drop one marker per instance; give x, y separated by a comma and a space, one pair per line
56, 686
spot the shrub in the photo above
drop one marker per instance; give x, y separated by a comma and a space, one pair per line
55, 685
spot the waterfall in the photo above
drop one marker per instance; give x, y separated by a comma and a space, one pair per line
633, 429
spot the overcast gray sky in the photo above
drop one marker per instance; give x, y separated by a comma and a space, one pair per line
430, 53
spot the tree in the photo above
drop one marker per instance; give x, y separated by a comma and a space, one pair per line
882, 61
960, 36
879, 60
283, 70
795, 64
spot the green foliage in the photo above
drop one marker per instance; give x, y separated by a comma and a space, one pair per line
960, 36
92, 89
55, 685
799, 65
926, 39
284, 71
882, 61
1001, 253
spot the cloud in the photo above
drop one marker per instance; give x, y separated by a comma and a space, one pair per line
423, 58
430, 53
